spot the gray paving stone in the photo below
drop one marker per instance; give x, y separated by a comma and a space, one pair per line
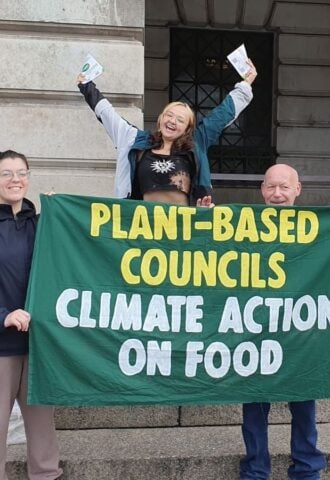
116, 417
194, 453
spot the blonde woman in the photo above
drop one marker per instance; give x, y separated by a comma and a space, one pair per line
171, 164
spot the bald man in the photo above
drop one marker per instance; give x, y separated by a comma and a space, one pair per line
281, 187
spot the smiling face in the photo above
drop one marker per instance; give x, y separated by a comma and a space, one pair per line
175, 120
281, 185
13, 188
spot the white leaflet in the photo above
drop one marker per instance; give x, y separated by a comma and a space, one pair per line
91, 69
238, 59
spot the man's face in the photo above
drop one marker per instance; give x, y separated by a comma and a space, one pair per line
281, 185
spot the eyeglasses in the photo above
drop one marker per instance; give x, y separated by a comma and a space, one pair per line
178, 118
9, 174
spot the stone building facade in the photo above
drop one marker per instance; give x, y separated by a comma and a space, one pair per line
301, 74
43, 45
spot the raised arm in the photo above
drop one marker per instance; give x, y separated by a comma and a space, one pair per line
119, 130
122, 134
226, 113
242, 93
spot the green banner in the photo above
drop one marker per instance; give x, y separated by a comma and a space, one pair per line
138, 303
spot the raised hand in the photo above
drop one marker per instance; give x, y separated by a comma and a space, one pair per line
205, 202
252, 73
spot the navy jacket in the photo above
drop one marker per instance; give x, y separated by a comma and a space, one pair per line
17, 236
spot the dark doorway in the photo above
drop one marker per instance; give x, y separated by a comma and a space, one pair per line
201, 75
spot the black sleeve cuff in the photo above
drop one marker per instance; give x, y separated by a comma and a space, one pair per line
91, 93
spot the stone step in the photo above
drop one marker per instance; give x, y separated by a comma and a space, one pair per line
177, 453
138, 417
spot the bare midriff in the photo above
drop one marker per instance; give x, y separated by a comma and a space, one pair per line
162, 196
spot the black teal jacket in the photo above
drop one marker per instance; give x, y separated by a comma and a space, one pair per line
130, 140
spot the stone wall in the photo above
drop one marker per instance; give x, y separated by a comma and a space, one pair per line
301, 81
42, 114
43, 45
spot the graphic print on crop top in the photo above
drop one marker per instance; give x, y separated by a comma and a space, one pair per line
157, 172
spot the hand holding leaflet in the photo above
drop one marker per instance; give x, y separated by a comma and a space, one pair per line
238, 58
91, 69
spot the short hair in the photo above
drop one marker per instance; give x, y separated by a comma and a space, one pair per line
13, 154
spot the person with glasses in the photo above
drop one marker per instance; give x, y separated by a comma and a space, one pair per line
171, 164
18, 221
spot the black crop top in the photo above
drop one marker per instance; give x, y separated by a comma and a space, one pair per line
164, 172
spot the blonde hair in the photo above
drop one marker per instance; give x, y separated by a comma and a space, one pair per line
191, 115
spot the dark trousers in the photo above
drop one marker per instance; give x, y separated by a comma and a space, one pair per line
307, 460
